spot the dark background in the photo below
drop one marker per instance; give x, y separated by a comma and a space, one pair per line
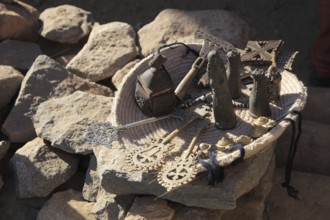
293, 21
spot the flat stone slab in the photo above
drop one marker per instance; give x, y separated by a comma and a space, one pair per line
63, 121
10, 81
240, 179
66, 24
39, 169
18, 54
46, 79
173, 25
109, 48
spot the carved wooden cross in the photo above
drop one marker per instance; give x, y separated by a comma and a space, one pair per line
259, 52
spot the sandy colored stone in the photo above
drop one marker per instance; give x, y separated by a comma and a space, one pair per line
314, 197
46, 79
109, 48
250, 206
38, 169
145, 208
177, 25
110, 206
10, 81
117, 178
120, 74
92, 181
14, 208
63, 121
4, 147
66, 24
18, 21
66, 205
18, 54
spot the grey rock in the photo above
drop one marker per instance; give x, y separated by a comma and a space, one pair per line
66, 205
176, 25
250, 206
111, 206
120, 74
240, 179
66, 23
38, 169
18, 209
4, 147
63, 121
18, 54
92, 181
10, 81
313, 150
109, 48
145, 208
18, 21
46, 79
314, 197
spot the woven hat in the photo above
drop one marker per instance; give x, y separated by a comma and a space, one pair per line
125, 111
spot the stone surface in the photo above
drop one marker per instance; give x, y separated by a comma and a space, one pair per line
110, 206
63, 121
149, 207
250, 206
18, 54
4, 147
18, 21
313, 148
120, 74
240, 179
66, 205
92, 181
314, 197
66, 24
10, 81
46, 79
39, 169
18, 209
176, 25
318, 104
109, 48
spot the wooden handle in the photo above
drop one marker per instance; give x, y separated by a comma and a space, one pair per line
183, 87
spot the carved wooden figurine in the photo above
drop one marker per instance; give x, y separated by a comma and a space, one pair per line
233, 73
223, 109
259, 97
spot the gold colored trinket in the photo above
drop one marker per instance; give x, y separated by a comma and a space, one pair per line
243, 139
261, 125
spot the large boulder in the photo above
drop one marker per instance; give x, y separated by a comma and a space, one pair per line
66, 24
120, 74
4, 147
18, 54
63, 121
14, 208
66, 205
111, 206
118, 178
46, 79
176, 25
109, 48
145, 208
18, 21
92, 181
39, 169
10, 81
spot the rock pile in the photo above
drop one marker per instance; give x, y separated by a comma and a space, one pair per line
49, 106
